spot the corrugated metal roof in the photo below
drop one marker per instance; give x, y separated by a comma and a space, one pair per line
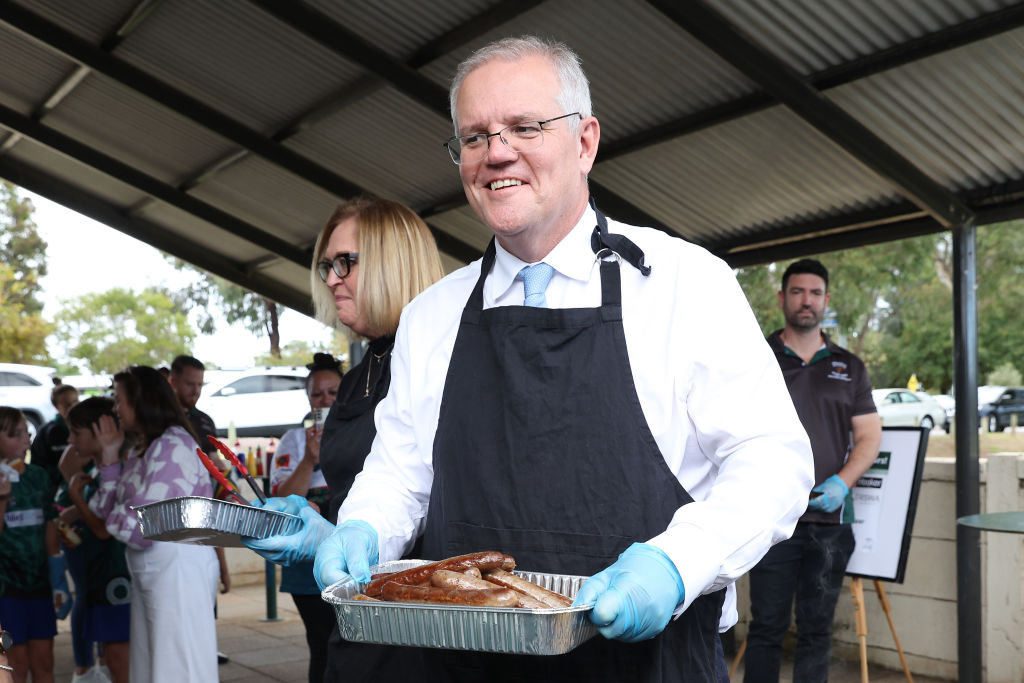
714, 185
147, 137
89, 20
398, 27
253, 53
958, 116
920, 115
813, 35
26, 87
270, 198
386, 125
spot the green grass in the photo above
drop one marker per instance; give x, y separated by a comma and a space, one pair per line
944, 445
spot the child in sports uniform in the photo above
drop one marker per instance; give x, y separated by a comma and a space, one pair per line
107, 586
28, 546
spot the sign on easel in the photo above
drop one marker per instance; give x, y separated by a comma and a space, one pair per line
884, 505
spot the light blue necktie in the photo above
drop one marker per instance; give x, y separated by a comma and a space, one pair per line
535, 279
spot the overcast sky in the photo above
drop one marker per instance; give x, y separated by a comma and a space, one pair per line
85, 256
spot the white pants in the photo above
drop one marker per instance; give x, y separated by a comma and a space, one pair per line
173, 635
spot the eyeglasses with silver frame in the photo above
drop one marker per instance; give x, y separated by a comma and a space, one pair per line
519, 137
341, 264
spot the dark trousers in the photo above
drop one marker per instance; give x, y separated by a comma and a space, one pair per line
810, 567
318, 618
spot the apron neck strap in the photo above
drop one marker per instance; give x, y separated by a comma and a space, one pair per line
620, 244
476, 299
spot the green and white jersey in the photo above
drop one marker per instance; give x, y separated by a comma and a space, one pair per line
24, 572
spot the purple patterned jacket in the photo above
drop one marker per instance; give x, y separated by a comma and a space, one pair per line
169, 468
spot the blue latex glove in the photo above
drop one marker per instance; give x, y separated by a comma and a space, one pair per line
59, 586
833, 492
350, 551
634, 598
289, 549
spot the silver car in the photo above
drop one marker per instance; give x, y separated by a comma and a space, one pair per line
905, 408
27, 388
264, 401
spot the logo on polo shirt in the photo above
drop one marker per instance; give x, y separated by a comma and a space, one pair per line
840, 371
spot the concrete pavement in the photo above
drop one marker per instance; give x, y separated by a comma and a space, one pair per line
265, 651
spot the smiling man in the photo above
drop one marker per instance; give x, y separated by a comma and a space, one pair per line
591, 397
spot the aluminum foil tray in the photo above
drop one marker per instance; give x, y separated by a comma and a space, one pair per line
552, 631
207, 521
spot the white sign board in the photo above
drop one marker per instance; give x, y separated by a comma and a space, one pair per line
884, 504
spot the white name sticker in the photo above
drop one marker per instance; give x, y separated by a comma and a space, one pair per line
15, 518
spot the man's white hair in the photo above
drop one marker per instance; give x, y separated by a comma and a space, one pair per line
574, 94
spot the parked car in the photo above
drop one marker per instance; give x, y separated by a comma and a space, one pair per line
948, 404
998, 413
902, 407
265, 401
27, 388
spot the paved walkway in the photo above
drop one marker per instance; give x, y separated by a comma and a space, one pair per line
265, 651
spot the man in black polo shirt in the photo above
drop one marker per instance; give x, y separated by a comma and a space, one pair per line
832, 395
186, 378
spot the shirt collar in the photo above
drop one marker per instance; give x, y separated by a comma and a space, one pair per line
572, 257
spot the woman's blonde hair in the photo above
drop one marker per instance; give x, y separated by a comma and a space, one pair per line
398, 259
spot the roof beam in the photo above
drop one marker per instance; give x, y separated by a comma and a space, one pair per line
943, 40
88, 204
800, 229
875, 234
272, 150
81, 52
896, 226
352, 46
831, 120
147, 184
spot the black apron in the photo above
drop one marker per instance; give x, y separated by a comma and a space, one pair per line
349, 430
542, 451
348, 434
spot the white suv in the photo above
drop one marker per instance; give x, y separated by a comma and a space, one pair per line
264, 401
27, 388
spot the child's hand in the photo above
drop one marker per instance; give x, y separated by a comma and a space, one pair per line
69, 515
71, 461
5, 487
111, 437
77, 485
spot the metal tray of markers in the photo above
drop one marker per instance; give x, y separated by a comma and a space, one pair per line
207, 521
553, 631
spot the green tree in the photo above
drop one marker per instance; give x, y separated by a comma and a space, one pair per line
109, 330
22, 335
1005, 375
23, 330
299, 353
23, 250
761, 285
1000, 254
259, 314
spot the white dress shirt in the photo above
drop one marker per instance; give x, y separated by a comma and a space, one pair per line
709, 386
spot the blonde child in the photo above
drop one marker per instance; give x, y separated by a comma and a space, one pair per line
30, 559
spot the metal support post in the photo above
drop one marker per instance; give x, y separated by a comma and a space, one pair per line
968, 483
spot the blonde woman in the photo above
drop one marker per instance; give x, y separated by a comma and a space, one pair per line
371, 259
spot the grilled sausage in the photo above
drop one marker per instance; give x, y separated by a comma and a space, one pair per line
447, 579
491, 597
549, 598
473, 571
490, 559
